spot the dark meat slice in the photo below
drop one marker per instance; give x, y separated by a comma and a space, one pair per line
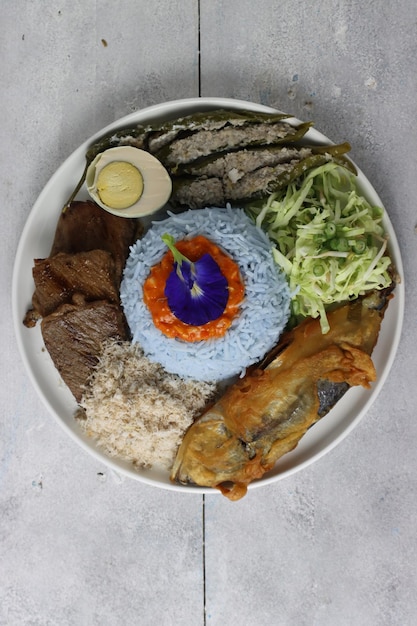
59, 278
84, 226
73, 336
77, 289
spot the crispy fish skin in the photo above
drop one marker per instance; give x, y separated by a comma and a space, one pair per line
266, 413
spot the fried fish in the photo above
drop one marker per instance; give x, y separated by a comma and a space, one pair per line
266, 413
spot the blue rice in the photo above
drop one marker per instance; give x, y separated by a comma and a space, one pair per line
264, 311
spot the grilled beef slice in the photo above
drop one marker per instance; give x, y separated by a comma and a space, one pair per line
73, 336
77, 289
59, 278
84, 226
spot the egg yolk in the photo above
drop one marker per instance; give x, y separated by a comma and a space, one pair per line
119, 185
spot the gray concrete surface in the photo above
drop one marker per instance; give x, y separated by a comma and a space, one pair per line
333, 545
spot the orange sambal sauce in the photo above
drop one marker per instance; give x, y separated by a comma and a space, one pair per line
157, 302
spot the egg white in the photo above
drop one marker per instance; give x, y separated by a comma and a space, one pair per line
157, 184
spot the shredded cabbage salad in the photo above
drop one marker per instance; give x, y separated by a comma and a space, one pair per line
328, 239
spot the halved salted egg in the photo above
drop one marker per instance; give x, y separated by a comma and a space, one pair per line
128, 182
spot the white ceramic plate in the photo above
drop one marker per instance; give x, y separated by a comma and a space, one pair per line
36, 241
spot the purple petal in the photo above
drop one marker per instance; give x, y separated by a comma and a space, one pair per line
197, 292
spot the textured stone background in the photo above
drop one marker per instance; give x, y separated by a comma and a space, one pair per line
332, 545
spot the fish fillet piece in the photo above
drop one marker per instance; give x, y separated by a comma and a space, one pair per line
265, 414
